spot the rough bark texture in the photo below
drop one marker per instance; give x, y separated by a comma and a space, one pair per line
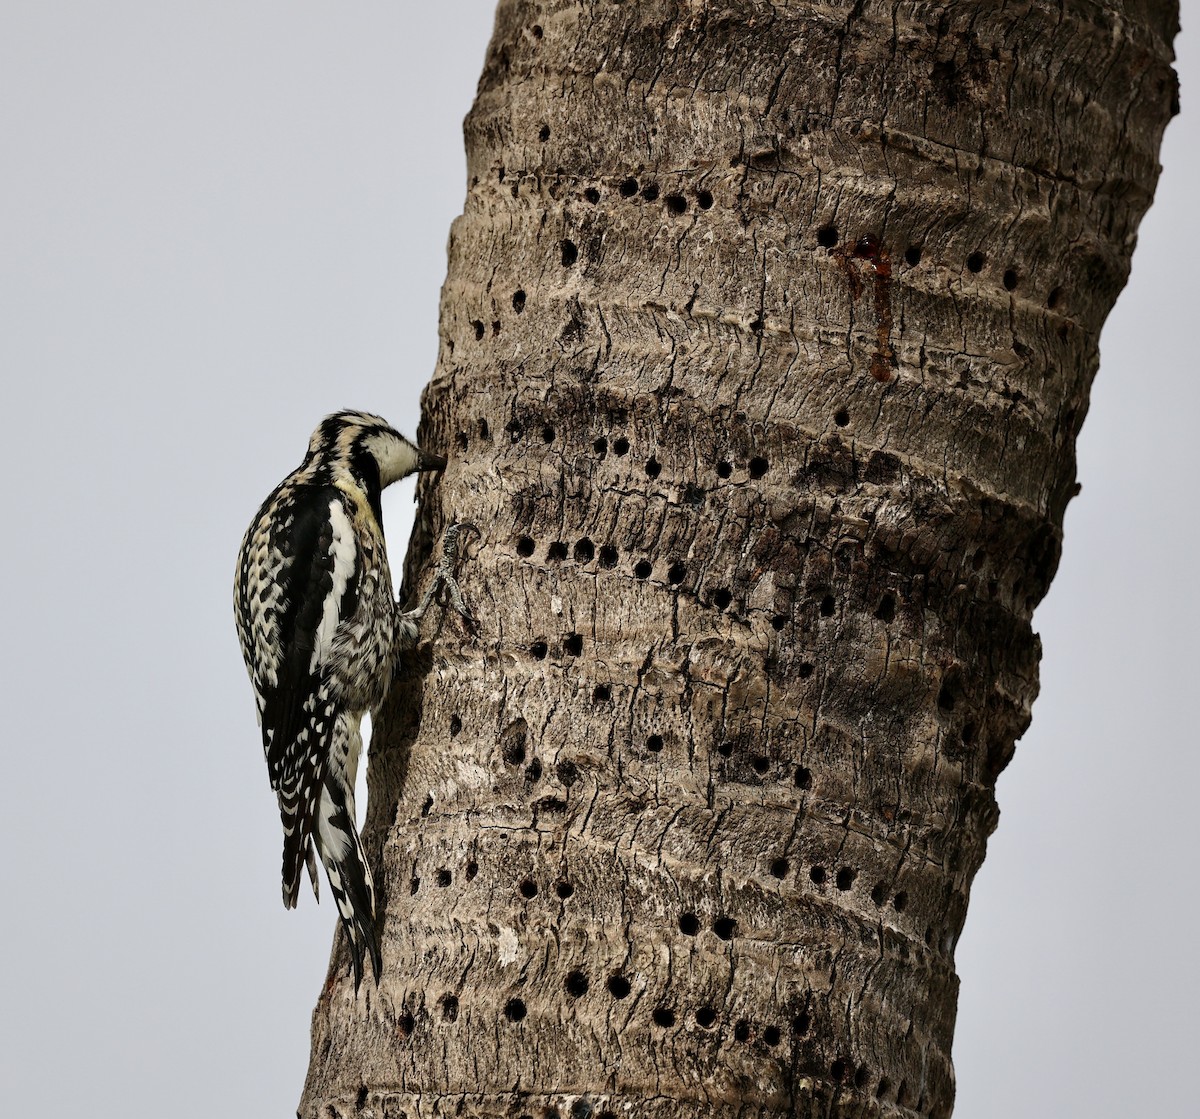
767, 335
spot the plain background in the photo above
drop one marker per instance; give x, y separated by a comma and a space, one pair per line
219, 221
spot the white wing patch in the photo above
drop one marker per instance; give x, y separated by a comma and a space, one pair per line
345, 557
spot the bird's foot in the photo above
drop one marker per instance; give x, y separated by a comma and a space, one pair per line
445, 583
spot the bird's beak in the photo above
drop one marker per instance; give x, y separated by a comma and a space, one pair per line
428, 461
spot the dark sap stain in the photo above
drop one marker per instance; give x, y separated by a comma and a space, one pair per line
869, 262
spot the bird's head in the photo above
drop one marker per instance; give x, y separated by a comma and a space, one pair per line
367, 446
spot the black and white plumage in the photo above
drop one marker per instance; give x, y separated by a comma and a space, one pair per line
320, 632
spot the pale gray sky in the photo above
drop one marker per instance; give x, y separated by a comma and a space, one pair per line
220, 220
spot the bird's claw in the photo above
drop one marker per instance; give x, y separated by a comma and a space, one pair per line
450, 542
448, 591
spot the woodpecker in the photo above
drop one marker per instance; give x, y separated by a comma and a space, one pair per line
321, 633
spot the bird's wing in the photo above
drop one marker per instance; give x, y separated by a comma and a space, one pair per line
316, 588
308, 584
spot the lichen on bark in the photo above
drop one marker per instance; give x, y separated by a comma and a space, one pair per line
767, 334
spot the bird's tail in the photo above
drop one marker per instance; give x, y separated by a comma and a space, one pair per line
297, 850
350, 880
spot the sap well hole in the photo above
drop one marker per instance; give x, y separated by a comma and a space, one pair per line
725, 927
514, 1010
706, 1017
576, 984
618, 986
741, 1030
443, 878
663, 1016
528, 888
628, 188
689, 924
585, 551
608, 557
512, 747
567, 772
827, 236
654, 743
758, 467
525, 546
650, 192
976, 261
573, 645
643, 569
570, 254
845, 878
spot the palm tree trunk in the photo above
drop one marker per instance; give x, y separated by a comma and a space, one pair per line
768, 331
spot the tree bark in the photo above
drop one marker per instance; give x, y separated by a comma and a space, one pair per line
767, 335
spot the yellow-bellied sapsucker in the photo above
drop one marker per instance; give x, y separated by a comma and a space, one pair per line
320, 632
